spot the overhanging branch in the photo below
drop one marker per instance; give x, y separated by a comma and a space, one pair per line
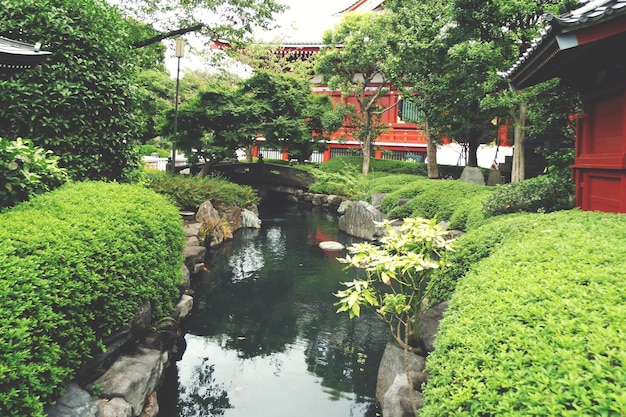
166, 35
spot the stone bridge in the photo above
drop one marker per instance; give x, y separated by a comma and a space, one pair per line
266, 176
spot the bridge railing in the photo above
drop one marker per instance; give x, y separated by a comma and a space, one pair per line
265, 174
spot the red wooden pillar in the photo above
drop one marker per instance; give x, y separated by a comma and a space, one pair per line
378, 154
326, 154
285, 154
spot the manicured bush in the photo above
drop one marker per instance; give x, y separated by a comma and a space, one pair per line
537, 328
336, 183
25, 171
76, 264
472, 247
189, 192
446, 200
544, 194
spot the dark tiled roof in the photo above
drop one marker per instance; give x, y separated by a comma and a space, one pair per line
19, 55
587, 13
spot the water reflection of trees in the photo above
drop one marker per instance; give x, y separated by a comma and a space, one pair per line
273, 287
202, 396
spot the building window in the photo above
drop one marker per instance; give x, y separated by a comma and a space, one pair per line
410, 111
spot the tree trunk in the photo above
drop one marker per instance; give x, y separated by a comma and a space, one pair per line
519, 136
431, 154
367, 156
472, 150
248, 151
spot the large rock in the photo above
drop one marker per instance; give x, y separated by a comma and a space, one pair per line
233, 217
344, 206
76, 402
250, 220
429, 324
472, 175
393, 391
359, 221
114, 407
133, 377
193, 256
210, 224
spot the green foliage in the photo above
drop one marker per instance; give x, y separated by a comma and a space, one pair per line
189, 193
545, 193
334, 183
355, 61
226, 116
147, 150
404, 263
76, 264
25, 171
458, 202
477, 244
537, 327
82, 104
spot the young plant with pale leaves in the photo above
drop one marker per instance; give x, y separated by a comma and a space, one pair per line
404, 262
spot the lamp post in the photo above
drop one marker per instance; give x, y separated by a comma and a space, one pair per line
180, 52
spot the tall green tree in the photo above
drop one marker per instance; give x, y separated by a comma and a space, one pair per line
82, 104
473, 41
225, 117
357, 59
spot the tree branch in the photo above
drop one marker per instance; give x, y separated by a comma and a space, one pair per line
166, 35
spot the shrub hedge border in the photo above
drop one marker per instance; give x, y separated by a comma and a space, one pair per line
76, 264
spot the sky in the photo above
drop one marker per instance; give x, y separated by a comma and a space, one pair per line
306, 20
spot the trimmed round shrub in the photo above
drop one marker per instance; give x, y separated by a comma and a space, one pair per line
76, 265
458, 202
543, 194
537, 328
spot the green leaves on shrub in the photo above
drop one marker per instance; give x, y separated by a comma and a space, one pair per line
189, 192
544, 194
25, 171
537, 328
76, 264
458, 202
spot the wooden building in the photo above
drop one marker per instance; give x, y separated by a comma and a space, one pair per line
18, 56
587, 48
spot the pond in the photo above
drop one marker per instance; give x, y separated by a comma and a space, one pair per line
264, 339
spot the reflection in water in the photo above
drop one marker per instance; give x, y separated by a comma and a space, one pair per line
265, 339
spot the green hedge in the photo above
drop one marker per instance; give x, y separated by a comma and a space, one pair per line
542, 194
458, 202
189, 192
537, 328
76, 264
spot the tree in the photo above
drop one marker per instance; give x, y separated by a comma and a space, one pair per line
231, 20
225, 117
355, 60
82, 103
418, 26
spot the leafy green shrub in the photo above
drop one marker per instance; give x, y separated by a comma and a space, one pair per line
544, 193
537, 328
76, 264
478, 243
446, 200
385, 183
189, 192
83, 105
25, 171
334, 183
148, 150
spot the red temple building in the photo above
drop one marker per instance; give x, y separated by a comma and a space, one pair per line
587, 48
402, 140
